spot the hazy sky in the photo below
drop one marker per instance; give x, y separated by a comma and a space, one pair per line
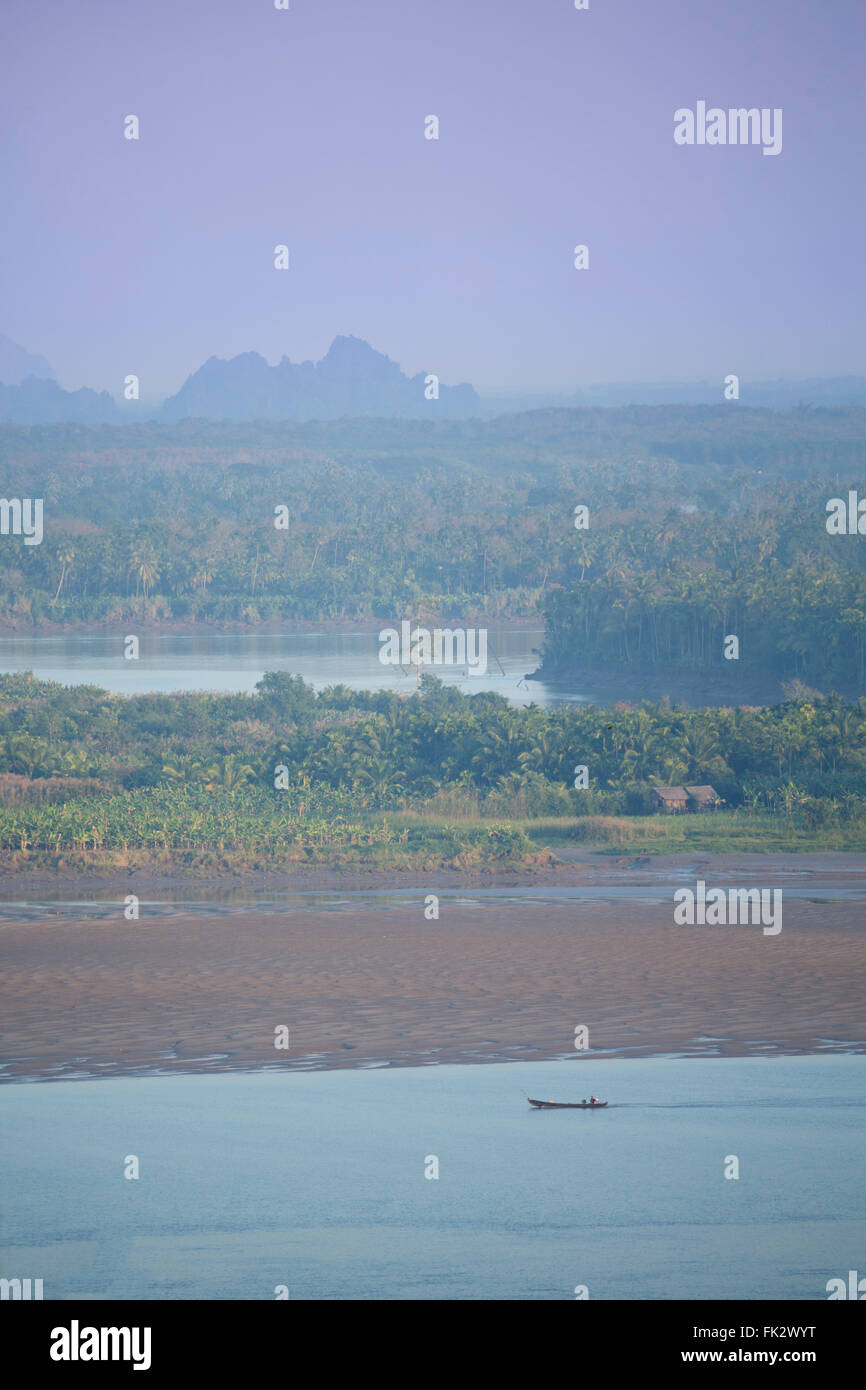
306, 127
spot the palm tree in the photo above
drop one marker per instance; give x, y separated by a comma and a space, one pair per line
143, 565
381, 776
698, 749
229, 772
65, 555
30, 756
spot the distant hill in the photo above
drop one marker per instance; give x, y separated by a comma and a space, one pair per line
16, 363
41, 402
352, 379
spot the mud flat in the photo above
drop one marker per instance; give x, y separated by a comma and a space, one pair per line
505, 973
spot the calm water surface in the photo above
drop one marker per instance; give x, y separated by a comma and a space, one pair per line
211, 901
249, 1181
233, 661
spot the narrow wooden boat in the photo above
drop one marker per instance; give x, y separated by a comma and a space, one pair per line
567, 1105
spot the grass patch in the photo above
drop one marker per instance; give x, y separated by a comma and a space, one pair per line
543, 831
734, 832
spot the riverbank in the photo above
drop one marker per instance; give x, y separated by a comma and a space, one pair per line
686, 686
528, 621
395, 846
498, 975
577, 866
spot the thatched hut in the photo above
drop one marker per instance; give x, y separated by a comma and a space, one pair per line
670, 799
703, 798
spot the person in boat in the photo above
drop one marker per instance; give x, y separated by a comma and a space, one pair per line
593, 1100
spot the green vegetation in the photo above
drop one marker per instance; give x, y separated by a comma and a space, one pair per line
285, 775
703, 521
665, 593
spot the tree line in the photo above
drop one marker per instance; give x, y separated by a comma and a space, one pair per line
341, 750
701, 522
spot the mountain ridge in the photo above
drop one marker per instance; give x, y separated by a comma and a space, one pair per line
352, 379
17, 364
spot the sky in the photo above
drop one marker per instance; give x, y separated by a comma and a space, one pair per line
305, 127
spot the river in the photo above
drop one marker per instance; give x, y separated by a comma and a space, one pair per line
325, 1185
235, 661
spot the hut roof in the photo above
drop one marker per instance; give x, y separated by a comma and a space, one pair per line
671, 793
706, 793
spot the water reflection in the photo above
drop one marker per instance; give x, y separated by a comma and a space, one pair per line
235, 661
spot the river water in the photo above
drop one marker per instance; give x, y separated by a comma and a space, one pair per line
234, 661
654, 889
248, 1182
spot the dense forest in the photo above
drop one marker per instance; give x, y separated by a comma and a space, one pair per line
80, 768
701, 522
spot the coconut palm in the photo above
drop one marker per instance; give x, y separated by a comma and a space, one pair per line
65, 555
